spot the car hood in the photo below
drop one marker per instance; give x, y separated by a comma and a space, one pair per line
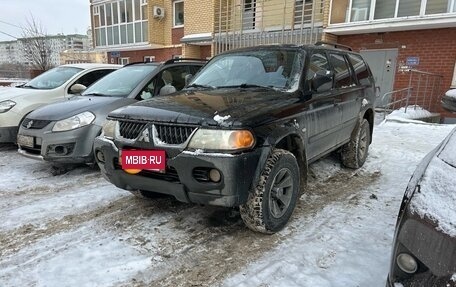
72, 106
221, 107
436, 197
12, 93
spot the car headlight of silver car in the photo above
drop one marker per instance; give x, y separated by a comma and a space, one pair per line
6, 106
109, 129
74, 122
222, 139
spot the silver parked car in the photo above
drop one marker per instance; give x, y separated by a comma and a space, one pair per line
64, 132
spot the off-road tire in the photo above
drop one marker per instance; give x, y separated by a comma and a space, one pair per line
354, 153
257, 212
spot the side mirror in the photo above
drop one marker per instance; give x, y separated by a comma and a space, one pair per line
188, 77
449, 101
77, 88
322, 81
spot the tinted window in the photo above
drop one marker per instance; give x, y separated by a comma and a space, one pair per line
360, 68
53, 78
91, 77
343, 78
120, 83
318, 65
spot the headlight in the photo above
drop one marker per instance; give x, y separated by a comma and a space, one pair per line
74, 122
109, 129
221, 140
6, 106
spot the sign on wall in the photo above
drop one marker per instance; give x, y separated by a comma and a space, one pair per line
413, 61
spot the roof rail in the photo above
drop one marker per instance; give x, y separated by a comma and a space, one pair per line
335, 45
170, 61
136, 63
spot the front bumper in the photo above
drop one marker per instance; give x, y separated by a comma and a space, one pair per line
184, 174
74, 146
434, 251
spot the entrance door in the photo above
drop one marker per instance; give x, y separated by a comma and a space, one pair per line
383, 65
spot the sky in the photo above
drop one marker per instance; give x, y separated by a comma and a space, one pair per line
55, 16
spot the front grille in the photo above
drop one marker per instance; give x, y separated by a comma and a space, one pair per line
173, 134
130, 130
34, 124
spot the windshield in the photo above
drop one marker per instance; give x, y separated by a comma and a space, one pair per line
120, 83
53, 78
278, 69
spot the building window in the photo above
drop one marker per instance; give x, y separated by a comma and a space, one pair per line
124, 61
178, 13
148, 59
121, 22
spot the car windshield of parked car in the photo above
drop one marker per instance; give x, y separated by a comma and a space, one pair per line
268, 68
53, 78
120, 83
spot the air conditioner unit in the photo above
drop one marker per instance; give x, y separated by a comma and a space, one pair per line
159, 12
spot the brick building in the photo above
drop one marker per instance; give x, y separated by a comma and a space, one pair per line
156, 30
397, 36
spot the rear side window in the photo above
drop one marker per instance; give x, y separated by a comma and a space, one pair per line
93, 76
343, 77
361, 71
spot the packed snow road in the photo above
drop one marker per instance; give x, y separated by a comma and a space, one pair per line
76, 229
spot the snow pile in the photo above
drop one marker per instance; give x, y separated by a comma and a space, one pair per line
221, 120
437, 197
412, 113
454, 277
451, 93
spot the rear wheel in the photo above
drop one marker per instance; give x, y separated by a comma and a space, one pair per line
354, 153
271, 203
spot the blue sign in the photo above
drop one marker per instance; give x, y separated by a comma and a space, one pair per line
413, 61
115, 54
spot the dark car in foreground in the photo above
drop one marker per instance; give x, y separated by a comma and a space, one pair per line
424, 247
242, 133
64, 132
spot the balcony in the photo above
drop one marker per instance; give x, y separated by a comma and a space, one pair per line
351, 16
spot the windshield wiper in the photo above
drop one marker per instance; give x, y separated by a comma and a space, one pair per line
200, 86
96, 95
29, 86
246, 86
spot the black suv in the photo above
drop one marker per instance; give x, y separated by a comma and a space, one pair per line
243, 132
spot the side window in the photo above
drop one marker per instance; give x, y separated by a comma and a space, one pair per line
92, 77
173, 77
318, 65
319, 76
343, 77
149, 90
360, 68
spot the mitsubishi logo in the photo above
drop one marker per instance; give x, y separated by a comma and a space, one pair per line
144, 136
29, 124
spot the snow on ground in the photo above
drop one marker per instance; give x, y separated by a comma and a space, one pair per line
412, 112
76, 229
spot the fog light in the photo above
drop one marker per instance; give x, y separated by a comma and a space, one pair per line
407, 263
100, 156
215, 175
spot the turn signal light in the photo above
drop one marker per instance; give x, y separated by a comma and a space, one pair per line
241, 139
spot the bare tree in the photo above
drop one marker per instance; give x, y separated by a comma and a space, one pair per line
35, 44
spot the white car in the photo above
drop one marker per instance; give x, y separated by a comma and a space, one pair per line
54, 85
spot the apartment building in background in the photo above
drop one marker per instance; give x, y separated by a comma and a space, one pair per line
157, 30
400, 36
12, 52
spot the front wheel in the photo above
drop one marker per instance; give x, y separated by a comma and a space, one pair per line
354, 153
272, 201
